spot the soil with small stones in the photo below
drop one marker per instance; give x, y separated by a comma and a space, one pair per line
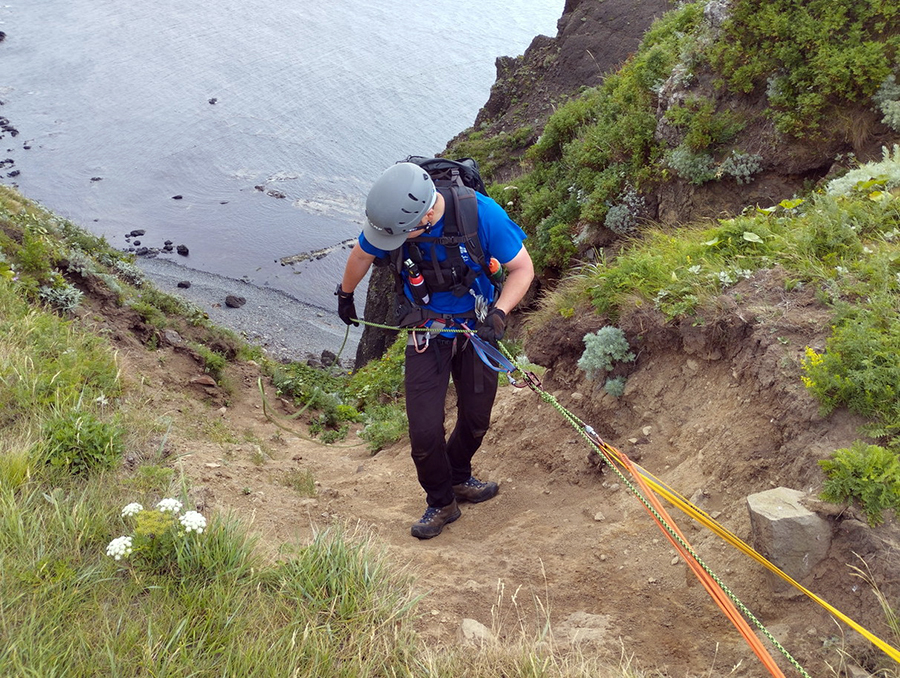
715, 410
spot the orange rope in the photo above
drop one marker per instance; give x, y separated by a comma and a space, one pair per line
714, 590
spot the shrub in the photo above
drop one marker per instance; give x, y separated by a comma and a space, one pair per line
79, 443
622, 217
868, 474
824, 52
741, 166
604, 348
385, 424
379, 379
860, 368
696, 168
703, 126
213, 363
887, 99
129, 273
615, 386
885, 173
64, 297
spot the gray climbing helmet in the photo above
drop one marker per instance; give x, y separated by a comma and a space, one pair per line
396, 203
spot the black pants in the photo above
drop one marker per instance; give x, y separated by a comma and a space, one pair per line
440, 462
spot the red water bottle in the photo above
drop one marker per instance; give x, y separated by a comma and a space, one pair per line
416, 283
495, 269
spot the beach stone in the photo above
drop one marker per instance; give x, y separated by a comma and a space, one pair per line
137, 233
173, 337
182, 250
328, 358
233, 301
184, 284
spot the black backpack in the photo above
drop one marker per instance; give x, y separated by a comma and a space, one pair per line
457, 181
447, 172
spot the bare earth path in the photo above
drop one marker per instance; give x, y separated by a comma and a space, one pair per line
563, 542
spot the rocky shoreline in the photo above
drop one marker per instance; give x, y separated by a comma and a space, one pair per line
285, 327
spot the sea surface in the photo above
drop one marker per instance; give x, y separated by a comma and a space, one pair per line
247, 130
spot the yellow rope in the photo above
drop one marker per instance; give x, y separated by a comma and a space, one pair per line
701, 517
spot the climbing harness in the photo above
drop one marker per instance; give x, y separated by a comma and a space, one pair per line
646, 488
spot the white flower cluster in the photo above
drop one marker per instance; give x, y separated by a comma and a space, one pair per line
170, 505
132, 509
119, 548
193, 522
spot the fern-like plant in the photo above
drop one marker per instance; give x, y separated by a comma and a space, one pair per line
868, 474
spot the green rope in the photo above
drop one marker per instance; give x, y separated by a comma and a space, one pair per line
581, 427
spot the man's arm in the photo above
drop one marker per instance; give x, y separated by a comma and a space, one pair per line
519, 274
358, 264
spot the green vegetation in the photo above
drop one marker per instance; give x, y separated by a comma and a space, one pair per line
868, 474
181, 601
603, 349
810, 57
198, 603
600, 147
845, 246
372, 395
601, 152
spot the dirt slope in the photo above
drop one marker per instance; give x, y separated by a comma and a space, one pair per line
715, 411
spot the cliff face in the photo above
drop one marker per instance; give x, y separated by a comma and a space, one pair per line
593, 39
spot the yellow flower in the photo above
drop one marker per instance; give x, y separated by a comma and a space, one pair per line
810, 361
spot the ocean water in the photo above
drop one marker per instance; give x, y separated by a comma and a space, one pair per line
248, 131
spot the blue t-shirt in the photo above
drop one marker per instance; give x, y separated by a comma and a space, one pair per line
500, 238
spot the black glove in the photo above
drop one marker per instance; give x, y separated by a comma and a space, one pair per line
494, 326
346, 307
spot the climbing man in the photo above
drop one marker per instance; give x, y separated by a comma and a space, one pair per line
416, 226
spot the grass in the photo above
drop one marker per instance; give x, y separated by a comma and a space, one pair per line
336, 606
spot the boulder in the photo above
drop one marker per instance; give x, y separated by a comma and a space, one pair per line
787, 533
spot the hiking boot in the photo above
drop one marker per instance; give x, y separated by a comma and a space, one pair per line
434, 519
475, 491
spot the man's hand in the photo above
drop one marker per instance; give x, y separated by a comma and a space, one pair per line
346, 307
494, 326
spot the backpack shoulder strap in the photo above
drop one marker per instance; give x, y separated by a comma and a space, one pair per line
464, 207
